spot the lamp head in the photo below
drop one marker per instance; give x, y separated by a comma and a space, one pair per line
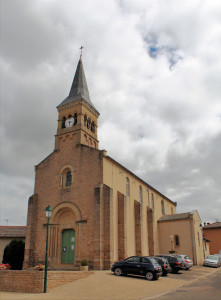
48, 211
171, 237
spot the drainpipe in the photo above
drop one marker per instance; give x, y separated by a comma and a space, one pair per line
191, 231
201, 228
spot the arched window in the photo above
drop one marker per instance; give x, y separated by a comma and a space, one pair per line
127, 186
177, 241
148, 198
89, 123
85, 120
75, 118
66, 176
92, 127
140, 195
152, 200
68, 180
162, 207
63, 122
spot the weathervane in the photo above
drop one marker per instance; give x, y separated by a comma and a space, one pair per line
81, 50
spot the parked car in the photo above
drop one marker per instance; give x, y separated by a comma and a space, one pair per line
138, 265
212, 261
163, 262
187, 262
176, 263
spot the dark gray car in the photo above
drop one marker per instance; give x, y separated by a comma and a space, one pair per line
138, 265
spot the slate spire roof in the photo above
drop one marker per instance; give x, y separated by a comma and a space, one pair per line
79, 88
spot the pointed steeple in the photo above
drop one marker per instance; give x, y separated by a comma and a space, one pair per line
79, 89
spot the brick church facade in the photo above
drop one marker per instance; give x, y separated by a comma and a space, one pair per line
102, 212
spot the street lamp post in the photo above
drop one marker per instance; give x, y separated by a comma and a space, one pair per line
48, 212
171, 239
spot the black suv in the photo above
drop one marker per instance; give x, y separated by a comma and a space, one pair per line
138, 265
176, 263
163, 262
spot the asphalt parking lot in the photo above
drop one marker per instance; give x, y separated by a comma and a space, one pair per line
103, 285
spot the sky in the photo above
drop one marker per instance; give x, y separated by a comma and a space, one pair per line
153, 70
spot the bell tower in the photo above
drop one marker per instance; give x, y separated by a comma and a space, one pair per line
77, 116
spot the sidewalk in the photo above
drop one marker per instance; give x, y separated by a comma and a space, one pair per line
103, 285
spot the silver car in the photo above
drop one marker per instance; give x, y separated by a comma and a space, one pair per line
186, 261
212, 261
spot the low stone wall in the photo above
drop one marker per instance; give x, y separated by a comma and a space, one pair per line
33, 281
57, 278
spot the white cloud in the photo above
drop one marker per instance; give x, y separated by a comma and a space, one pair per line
153, 70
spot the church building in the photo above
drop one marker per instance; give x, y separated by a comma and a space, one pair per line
102, 212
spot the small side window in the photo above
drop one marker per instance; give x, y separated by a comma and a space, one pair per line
162, 207
127, 186
140, 195
177, 241
152, 200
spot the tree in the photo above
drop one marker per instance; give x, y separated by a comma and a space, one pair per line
14, 254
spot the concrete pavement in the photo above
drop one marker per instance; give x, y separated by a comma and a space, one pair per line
103, 285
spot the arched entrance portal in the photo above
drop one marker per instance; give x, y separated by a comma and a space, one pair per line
64, 234
68, 246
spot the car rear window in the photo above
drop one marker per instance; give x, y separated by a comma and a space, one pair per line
145, 260
153, 260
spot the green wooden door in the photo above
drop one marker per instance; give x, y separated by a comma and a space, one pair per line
68, 246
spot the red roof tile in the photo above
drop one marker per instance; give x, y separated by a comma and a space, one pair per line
13, 231
212, 225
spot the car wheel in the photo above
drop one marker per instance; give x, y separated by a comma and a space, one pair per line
118, 271
149, 276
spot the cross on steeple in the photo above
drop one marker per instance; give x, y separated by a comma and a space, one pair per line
81, 50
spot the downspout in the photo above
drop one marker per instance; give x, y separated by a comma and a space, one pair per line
191, 231
204, 255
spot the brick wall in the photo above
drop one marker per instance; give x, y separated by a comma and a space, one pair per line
33, 281
87, 165
214, 235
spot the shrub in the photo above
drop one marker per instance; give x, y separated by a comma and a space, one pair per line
84, 262
14, 254
6, 255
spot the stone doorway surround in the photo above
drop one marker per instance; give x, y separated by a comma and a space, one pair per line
65, 216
